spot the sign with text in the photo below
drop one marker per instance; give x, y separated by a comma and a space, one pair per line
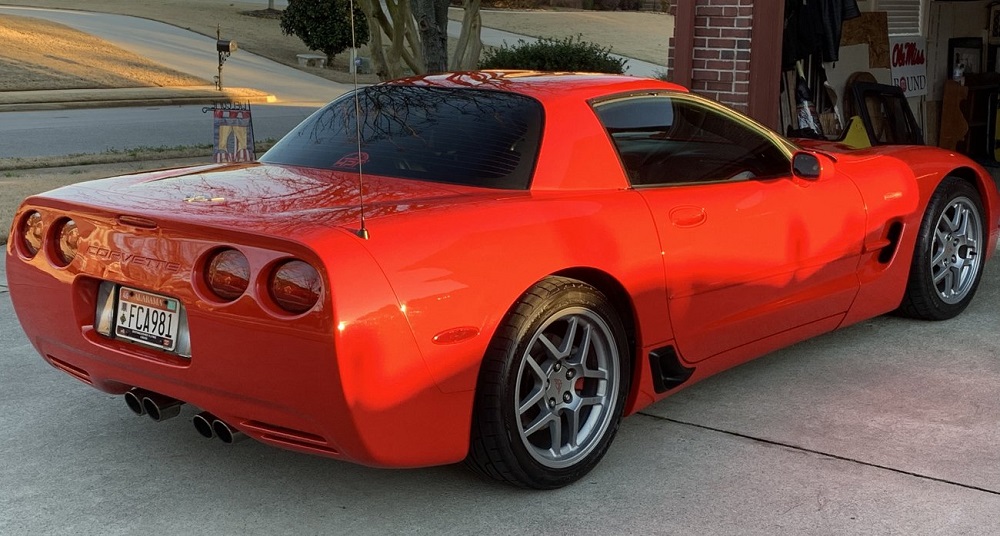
908, 62
233, 132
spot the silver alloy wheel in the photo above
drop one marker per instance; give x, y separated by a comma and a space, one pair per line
955, 257
567, 387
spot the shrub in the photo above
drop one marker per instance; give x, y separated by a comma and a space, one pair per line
617, 5
324, 25
549, 54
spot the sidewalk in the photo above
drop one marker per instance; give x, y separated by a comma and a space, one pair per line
497, 38
18, 101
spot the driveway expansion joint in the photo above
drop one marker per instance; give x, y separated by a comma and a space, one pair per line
823, 454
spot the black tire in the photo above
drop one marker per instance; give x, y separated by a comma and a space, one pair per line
948, 259
536, 389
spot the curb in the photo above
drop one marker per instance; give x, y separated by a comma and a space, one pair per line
22, 101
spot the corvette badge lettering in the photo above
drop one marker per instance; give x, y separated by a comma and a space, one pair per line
129, 258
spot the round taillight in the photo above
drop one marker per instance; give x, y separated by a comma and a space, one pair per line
227, 274
69, 241
32, 233
295, 286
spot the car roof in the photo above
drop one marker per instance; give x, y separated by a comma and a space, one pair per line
575, 153
543, 86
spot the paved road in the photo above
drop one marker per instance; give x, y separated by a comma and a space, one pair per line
50, 133
887, 427
193, 53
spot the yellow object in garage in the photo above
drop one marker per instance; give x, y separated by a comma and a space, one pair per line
855, 136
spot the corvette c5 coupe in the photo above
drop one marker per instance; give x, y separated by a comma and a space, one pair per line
490, 266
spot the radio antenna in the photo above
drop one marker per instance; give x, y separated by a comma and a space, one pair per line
355, 60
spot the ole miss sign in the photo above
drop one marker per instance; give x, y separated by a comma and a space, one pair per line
908, 57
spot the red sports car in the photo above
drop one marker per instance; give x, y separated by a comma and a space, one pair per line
492, 267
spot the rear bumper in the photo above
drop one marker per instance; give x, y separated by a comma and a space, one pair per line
360, 393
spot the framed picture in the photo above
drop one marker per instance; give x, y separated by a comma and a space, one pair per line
965, 53
995, 24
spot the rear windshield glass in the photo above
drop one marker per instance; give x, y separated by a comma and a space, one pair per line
453, 135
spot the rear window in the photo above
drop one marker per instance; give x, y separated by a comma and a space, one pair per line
453, 135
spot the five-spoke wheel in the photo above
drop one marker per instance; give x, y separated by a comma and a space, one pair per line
569, 368
948, 260
552, 387
955, 255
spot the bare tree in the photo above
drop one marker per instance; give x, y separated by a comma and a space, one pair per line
411, 36
470, 42
432, 22
393, 20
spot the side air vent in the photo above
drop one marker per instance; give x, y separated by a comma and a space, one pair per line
893, 235
667, 370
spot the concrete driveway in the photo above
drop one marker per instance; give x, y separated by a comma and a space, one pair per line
887, 427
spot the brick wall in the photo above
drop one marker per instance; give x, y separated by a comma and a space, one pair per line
720, 66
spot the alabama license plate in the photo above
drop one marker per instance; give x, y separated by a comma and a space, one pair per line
147, 318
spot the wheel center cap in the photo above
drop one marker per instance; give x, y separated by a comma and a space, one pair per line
561, 389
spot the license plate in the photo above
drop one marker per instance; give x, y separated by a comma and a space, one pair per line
147, 318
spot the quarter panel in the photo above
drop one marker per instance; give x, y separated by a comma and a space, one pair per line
465, 268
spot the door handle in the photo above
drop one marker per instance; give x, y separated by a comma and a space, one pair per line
688, 216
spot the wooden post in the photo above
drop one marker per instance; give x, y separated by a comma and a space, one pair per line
765, 62
683, 42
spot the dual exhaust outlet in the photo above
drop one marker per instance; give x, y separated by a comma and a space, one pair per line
160, 408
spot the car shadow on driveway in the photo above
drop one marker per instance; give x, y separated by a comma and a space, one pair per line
885, 426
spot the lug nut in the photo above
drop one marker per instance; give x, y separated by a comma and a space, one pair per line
567, 397
552, 403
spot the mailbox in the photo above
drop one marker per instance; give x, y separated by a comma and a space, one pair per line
222, 45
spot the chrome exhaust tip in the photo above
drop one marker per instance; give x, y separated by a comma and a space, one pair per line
203, 424
160, 408
133, 399
227, 434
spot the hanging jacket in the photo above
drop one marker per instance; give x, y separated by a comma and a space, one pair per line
834, 13
814, 27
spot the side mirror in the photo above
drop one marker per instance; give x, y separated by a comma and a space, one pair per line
812, 166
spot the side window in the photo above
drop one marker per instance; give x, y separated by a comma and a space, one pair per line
680, 139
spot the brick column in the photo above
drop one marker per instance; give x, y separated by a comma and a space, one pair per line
730, 51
